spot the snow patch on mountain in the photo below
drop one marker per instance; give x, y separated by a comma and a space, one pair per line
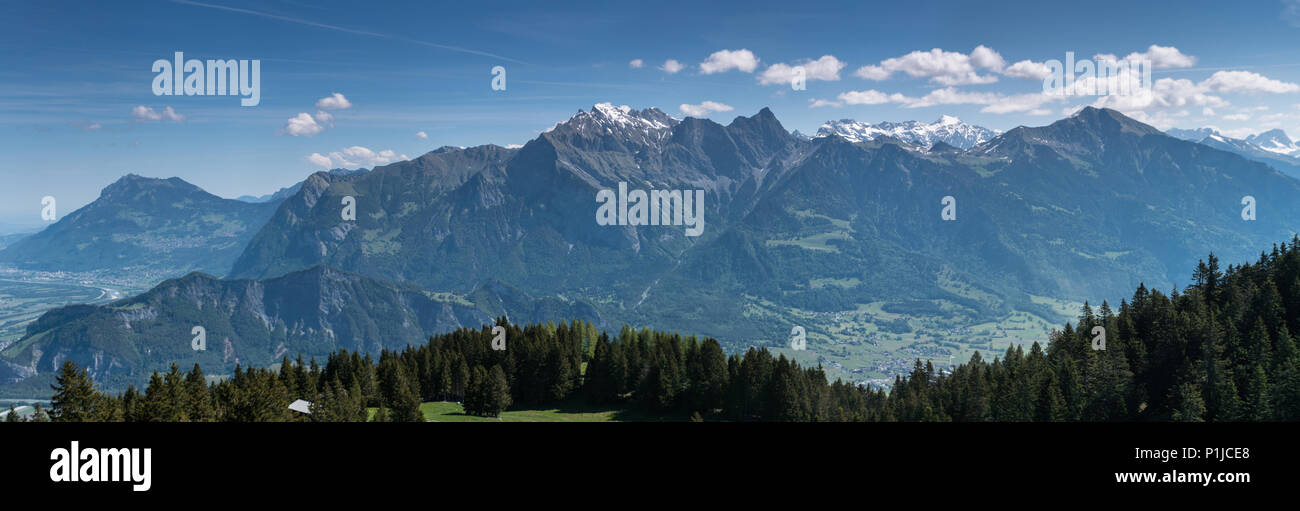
1274, 141
646, 127
947, 129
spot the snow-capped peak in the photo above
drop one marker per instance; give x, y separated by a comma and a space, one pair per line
644, 127
1274, 141
947, 129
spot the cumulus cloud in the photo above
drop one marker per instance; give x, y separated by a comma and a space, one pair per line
984, 57
636, 64
303, 125
869, 97
355, 157
1246, 81
144, 113
939, 66
826, 68
1169, 93
1159, 56
671, 66
725, 60
320, 160
704, 108
334, 101
324, 118
421, 135
1165, 93
1028, 69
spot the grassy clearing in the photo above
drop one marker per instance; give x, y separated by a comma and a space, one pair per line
443, 411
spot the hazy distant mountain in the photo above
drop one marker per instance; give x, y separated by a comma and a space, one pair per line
1274, 141
947, 129
289, 191
1278, 154
10, 239
253, 323
1194, 135
162, 226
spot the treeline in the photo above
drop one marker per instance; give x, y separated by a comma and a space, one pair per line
1219, 350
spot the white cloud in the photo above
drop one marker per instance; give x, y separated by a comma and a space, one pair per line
323, 118
1162, 57
869, 97
818, 103
421, 135
1030, 103
875, 73
334, 101
984, 57
939, 66
725, 60
355, 157
514, 146
704, 108
1164, 93
144, 113
1246, 81
826, 68
636, 64
1028, 69
320, 160
303, 125
1236, 117
671, 66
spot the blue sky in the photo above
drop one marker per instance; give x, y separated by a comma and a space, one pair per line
77, 108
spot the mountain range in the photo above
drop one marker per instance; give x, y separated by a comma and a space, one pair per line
797, 231
948, 129
146, 226
1271, 147
311, 312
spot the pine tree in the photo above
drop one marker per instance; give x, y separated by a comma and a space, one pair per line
39, 414
1188, 405
75, 398
497, 393
198, 397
